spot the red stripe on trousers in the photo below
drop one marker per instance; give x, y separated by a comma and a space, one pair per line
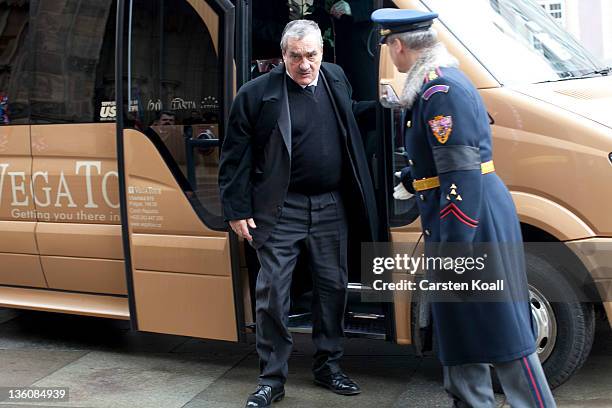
533, 382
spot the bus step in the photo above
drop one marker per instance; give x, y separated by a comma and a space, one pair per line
362, 325
358, 288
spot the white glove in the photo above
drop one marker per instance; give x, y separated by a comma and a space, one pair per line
340, 8
399, 191
388, 98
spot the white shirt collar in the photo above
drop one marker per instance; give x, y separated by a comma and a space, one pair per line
313, 83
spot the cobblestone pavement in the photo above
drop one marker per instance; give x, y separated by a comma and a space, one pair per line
104, 364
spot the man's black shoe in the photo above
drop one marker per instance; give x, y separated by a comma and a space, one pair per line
264, 396
339, 383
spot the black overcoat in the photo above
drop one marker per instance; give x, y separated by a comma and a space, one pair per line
255, 163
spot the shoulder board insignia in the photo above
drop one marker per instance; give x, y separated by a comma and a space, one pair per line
441, 127
435, 89
431, 75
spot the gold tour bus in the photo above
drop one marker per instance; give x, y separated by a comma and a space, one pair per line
112, 113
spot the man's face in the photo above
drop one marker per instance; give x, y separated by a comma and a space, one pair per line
402, 57
303, 58
166, 120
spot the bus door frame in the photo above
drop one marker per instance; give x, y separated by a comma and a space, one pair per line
226, 11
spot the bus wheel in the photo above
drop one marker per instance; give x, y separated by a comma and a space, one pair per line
564, 326
545, 323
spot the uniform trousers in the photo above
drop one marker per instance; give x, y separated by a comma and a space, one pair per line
522, 380
316, 226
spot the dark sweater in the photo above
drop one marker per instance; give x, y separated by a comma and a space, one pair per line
317, 148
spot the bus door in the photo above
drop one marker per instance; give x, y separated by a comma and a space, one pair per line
176, 64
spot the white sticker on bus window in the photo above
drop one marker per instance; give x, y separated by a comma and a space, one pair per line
108, 111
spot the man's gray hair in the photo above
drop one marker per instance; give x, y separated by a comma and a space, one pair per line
298, 29
432, 54
417, 40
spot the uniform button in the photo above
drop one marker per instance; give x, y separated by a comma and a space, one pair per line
409, 124
427, 232
410, 162
278, 208
422, 197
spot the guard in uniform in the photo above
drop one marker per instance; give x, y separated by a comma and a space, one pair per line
463, 201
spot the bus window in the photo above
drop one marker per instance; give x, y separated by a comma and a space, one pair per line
14, 44
174, 91
72, 62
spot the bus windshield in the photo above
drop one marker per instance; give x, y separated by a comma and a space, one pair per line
516, 40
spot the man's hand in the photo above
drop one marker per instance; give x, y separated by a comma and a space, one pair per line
340, 8
388, 98
399, 191
241, 228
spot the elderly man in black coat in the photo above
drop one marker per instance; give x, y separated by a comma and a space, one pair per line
291, 158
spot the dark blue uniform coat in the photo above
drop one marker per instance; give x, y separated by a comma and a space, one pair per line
449, 136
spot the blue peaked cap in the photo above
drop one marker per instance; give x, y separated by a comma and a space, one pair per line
394, 21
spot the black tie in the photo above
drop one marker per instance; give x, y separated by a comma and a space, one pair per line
310, 89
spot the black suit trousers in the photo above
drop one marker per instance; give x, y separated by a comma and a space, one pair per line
316, 225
